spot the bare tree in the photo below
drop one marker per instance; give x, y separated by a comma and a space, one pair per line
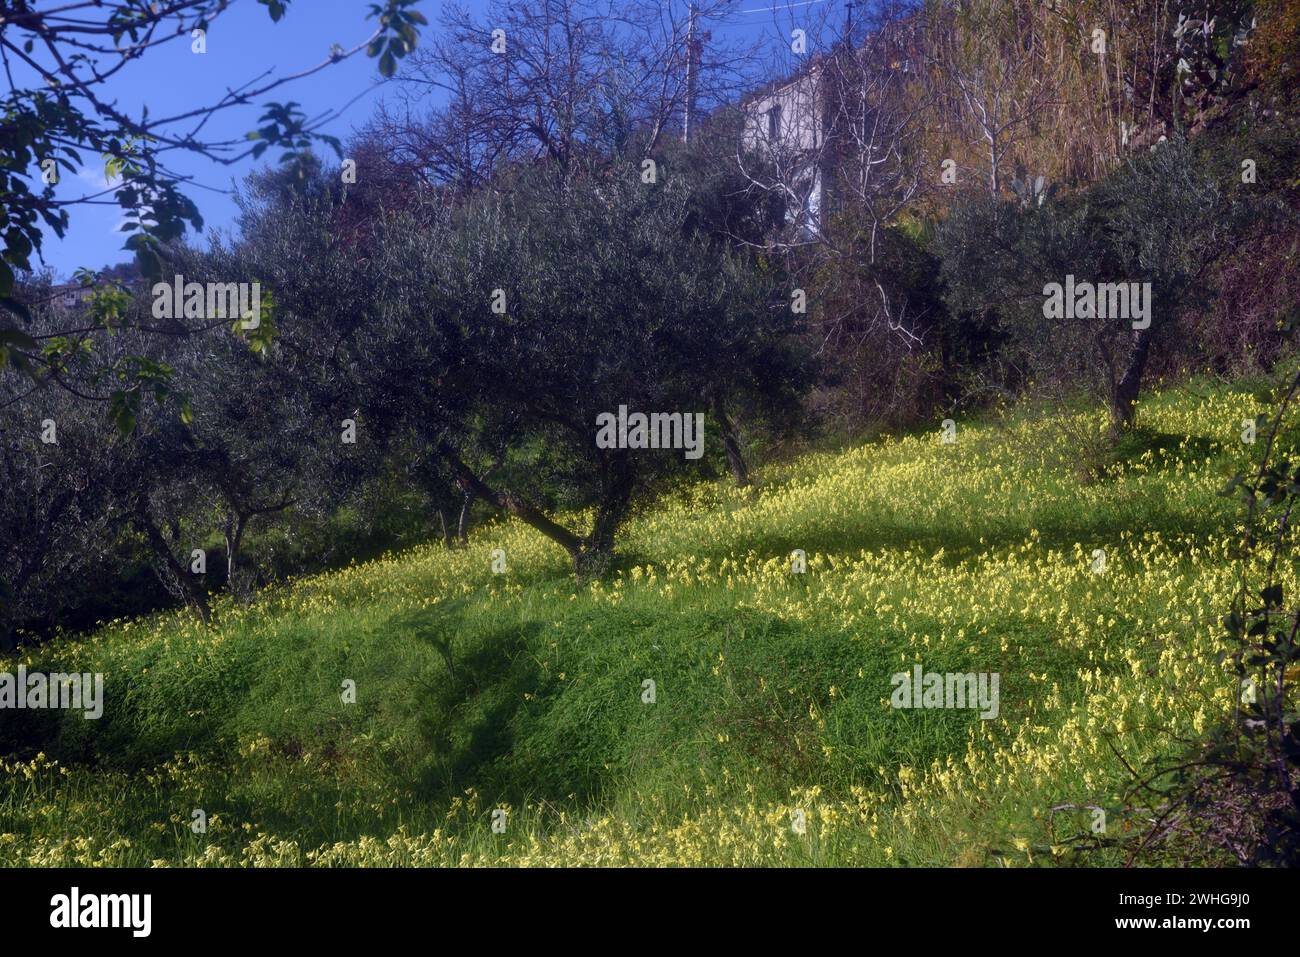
839, 144
992, 61
552, 78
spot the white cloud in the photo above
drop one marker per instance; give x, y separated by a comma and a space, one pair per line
94, 175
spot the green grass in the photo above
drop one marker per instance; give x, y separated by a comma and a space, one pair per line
523, 691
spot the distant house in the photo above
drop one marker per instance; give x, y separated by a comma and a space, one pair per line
70, 295
786, 127
803, 129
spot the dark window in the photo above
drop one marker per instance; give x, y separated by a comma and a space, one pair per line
774, 122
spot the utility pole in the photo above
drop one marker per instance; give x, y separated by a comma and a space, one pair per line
848, 22
692, 73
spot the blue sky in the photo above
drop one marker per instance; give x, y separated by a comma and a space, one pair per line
242, 45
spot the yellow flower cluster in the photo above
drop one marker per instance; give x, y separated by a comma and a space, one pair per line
1105, 634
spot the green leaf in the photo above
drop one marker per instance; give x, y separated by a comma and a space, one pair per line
122, 407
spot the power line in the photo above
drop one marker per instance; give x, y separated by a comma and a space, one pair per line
784, 6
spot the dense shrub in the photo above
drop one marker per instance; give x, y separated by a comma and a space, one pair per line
1167, 217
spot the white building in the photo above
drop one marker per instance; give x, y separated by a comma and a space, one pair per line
785, 135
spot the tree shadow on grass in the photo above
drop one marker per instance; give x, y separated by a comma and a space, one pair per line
1167, 449
959, 544
1057, 527
23, 733
468, 706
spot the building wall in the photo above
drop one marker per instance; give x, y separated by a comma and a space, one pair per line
785, 125
800, 116
69, 295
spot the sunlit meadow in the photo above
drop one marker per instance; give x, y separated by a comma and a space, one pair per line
524, 692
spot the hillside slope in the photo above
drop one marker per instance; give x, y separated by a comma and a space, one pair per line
770, 738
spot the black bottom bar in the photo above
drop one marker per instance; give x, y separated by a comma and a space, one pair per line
216, 907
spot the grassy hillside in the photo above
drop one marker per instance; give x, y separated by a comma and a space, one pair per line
477, 691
